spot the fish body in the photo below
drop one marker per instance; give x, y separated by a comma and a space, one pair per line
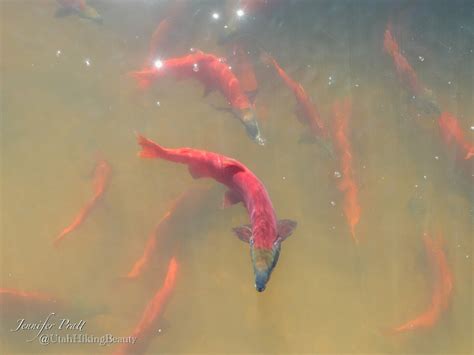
341, 114
306, 111
148, 326
79, 7
214, 73
265, 233
442, 288
452, 133
101, 177
423, 96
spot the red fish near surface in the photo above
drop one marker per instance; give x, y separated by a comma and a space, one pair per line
101, 177
341, 114
147, 327
187, 202
265, 234
407, 74
306, 111
442, 288
452, 134
214, 73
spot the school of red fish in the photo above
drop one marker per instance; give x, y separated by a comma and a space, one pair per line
238, 84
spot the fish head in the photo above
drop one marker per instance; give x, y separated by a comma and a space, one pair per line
264, 261
248, 118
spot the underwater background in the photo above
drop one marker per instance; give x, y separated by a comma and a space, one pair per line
67, 99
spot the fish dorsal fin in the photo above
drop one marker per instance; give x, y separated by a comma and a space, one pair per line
231, 197
244, 233
285, 227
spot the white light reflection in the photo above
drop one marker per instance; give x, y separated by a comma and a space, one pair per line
158, 64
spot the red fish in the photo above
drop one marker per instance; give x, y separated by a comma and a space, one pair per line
306, 111
265, 234
147, 327
442, 288
187, 202
341, 114
214, 73
101, 178
452, 134
408, 76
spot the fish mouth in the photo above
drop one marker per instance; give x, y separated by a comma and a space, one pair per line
264, 260
261, 279
251, 127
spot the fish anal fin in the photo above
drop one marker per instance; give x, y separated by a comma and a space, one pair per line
285, 227
231, 197
244, 233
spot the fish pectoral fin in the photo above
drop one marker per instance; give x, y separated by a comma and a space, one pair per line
231, 197
285, 227
244, 233
196, 171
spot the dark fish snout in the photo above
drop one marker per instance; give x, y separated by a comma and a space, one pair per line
251, 126
261, 279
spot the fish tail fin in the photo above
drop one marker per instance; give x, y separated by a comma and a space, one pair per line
149, 148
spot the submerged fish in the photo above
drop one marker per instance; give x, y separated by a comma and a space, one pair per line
442, 288
452, 134
147, 327
79, 7
265, 234
188, 203
215, 74
422, 95
306, 111
341, 114
101, 178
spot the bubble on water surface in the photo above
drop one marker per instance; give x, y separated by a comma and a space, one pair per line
337, 174
195, 67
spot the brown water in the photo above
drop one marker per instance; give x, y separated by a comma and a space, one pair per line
66, 98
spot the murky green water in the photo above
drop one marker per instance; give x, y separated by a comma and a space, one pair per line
66, 99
